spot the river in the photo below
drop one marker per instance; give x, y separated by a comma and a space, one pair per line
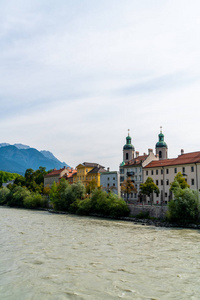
50, 256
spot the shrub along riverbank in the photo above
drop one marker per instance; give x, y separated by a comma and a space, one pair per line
67, 198
63, 197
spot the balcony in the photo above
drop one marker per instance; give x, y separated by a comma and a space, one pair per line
131, 173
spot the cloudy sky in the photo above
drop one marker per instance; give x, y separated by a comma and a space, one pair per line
76, 74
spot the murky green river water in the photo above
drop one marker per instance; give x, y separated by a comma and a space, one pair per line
49, 256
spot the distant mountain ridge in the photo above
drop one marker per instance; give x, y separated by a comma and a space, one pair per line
18, 158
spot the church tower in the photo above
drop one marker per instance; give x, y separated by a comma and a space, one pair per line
161, 146
128, 149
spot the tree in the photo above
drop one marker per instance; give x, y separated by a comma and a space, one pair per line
184, 208
149, 187
92, 185
4, 192
179, 182
79, 190
128, 187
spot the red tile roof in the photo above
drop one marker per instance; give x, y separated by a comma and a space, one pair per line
187, 158
136, 161
70, 174
57, 172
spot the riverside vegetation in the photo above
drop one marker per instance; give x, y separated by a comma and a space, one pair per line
29, 192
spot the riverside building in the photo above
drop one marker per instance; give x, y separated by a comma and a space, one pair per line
132, 167
164, 170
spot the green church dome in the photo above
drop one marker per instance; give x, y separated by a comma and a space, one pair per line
128, 145
161, 143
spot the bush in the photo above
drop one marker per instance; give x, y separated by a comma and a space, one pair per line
17, 196
184, 208
4, 192
35, 200
106, 204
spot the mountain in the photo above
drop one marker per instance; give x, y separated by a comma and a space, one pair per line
18, 158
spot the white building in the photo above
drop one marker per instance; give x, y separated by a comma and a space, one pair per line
163, 172
132, 167
109, 181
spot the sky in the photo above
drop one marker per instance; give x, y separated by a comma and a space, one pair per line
75, 75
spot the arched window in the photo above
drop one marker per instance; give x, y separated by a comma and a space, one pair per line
126, 156
160, 154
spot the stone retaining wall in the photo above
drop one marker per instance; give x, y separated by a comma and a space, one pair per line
155, 211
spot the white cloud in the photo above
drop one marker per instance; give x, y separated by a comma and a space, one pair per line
76, 76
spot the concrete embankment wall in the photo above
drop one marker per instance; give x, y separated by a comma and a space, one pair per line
154, 211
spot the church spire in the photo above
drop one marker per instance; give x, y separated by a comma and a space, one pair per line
161, 146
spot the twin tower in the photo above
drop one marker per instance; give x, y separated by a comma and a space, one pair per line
161, 148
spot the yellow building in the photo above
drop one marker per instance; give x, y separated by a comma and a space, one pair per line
87, 172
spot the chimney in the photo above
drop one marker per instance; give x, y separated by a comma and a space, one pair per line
108, 169
182, 151
144, 153
137, 153
150, 151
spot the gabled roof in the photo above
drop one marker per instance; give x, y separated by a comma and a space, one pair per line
86, 164
70, 174
55, 172
136, 161
97, 170
90, 165
187, 158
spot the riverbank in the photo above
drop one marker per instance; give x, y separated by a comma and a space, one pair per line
144, 222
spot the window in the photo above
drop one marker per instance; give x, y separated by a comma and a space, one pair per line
108, 178
108, 184
121, 171
165, 194
113, 184
121, 178
156, 182
113, 178
136, 170
161, 171
146, 172
175, 170
192, 168
86, 170
167, 171
151, 172
131, 195
167, 181
156, 172
160, 154
135, 195
161, 182
192, 181
183, 170
126, 156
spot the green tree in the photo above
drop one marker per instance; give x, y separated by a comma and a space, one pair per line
17, 196
185, 206
79, 190
4, 192
128, 187
148, 188
92, 185
179, 182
